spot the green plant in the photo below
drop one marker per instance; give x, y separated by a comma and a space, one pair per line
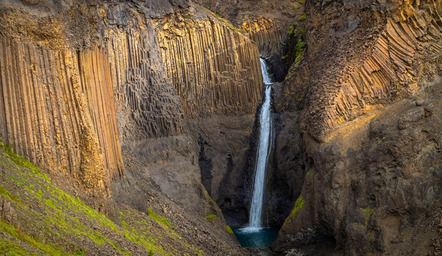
229, 230
291, 30
160, 219
211, 217
299, 50
302, 17
367, 212
299, 204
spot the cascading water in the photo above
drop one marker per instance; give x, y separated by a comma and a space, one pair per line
265, 122
254, 235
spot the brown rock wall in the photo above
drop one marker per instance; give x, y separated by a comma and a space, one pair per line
147, 103
46, 114
213, 68
391, 51
368, 101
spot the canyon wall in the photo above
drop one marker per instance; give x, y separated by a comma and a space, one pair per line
104, 96
227, 146
58, 116
359, 144
215, 70
267, 23
377, 54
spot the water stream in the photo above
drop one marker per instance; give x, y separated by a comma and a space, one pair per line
265, 122
255, 235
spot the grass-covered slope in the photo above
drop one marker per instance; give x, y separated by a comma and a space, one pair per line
38, 218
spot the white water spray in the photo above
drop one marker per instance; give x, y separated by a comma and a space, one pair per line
265, 121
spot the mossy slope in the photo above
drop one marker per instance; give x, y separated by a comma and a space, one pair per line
38, 218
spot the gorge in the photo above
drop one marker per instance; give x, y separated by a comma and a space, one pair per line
132, 127
255, 234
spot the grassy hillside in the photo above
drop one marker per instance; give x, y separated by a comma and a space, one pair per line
38, 218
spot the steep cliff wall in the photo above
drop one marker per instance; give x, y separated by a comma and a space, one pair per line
266, 23
376, 54
359, 138
84, 86
54, 115
214, 69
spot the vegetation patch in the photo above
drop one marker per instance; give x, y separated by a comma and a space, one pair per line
367, 212
229, 230
211, 217
299, 204
51, 221
160, 219
302, 17
295, 46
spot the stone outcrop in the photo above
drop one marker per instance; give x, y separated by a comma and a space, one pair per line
270, 36
359, 140
373, 187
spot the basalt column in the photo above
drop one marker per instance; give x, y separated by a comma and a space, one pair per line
57, 115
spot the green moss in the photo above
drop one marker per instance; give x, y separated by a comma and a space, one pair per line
56, 219
302, 17
9, 247
160, 219
19, 235
291, 30
367, 212
296, 46
229, 230
211, 217
299, 204
299, 50
226, 22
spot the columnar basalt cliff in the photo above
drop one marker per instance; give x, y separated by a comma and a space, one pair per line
360, 118
55, 120
378, 53
266, 22
215, 70
101, 95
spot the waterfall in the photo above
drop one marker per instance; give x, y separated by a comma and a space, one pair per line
262, 153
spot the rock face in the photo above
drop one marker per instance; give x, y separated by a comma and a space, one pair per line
376, 54
56, 116
359, 144
103, 95
215, 70
266, 22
